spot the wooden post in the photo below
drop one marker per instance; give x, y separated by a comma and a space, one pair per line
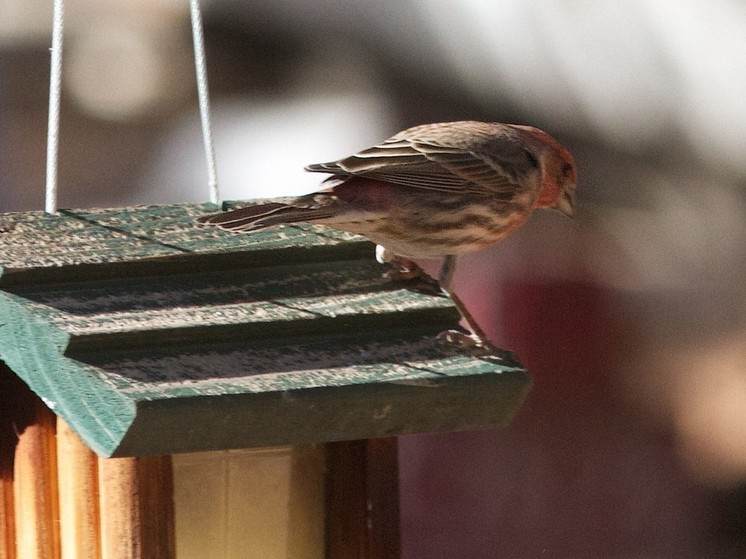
78, 496
11, 396
35, 488
362, 500
137, 514
28, 481
7, 528
156, 484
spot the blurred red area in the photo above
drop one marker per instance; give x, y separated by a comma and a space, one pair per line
577, 474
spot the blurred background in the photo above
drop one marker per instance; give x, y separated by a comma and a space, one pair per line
631, 318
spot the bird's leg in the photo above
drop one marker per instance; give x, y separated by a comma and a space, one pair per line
477, 338
403, 270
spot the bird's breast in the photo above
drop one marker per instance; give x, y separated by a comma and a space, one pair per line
417, 236
423, 223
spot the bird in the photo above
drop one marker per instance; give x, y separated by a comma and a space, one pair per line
431, 191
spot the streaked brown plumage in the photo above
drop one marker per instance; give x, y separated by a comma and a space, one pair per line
431, 191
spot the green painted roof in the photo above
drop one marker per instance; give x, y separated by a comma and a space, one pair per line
151, 335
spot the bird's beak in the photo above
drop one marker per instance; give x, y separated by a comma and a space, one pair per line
565, 203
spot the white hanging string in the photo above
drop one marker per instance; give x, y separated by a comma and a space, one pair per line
55, 80
53, 130
204, 100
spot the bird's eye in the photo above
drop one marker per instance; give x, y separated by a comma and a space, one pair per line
531, 159
566, 170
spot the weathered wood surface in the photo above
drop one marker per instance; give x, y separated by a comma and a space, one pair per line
137, 509
82, 244
78, 493
151, 335
362, 499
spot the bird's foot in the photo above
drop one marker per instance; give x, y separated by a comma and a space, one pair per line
403, 270
473, 342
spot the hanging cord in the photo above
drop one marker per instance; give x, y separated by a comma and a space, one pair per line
53, 131
204, 100
55, 80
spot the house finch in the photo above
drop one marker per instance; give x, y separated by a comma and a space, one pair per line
436, 190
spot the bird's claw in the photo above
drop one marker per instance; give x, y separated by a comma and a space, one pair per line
395, 272
477, 344
407, 272
463, 339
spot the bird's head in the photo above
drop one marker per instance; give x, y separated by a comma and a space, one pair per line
559, 173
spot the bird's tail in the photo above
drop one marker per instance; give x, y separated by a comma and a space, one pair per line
263, 215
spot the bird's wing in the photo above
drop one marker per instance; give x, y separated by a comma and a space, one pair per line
430, 157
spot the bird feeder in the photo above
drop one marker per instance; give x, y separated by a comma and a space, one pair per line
168, 390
